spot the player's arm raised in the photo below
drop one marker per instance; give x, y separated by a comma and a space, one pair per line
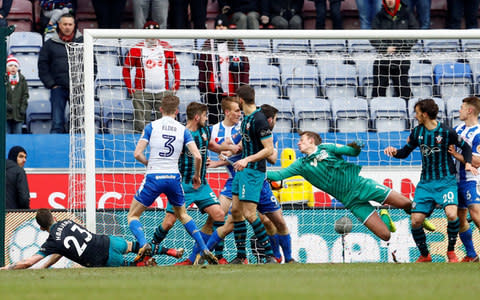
25, 263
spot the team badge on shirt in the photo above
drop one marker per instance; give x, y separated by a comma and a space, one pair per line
204, 136
438, 139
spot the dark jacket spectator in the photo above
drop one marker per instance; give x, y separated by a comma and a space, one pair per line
53, 68
282, 14
245, 13
17, 192
4, 11
391, 64
244, 6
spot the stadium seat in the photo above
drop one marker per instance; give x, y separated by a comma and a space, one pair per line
441, 45
111, 93
265, 76
365, 77
29, 68
470, 45
187, 95
109, 75
338, 81
314, 115
362, 46
453, 79
21, 15
38, 93
328, 46
188, 76
258, 59
267, 93
300, 93
421, 80
302, 76
453, 110
350, 115
39, 116
185, 60
411, 110
261, 45
281, 45
117, 115
25, 42
388, 114
287, 65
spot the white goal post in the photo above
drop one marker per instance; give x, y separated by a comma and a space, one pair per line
84, 131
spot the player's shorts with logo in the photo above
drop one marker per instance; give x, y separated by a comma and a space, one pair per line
366, 189
245, 185
203, 197
468, 193
268, 202
441, 191
118, 247
155, 184
227, 188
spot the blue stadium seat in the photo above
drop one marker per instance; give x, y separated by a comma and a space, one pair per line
283, 45
117, 115
301, 93
29, 68
313, 115
388, 114
363, 46
365, 77
350, 115
38, 93
109, 75
111, 93
39, 116
258, 59
338, 81
260, 45
453, 110
421, 80
302, 76
328, 46
411, 110
470, 45
188, 76
25, 42
453, 79
289, 64
265, 76
441, 45
284, 116
267, 93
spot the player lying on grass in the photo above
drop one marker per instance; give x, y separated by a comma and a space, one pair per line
437, 184
324, 167
69, 239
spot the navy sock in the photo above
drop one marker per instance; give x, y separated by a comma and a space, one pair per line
452, 232
240, 235
275, 245
137, 230
421, 240
466, 238
285, 242
135, 247
220, 244
262, 237
159, 235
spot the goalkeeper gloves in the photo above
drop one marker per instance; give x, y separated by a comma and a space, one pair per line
357, 144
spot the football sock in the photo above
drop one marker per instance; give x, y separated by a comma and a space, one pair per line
159, 235
466, 238
275, 246
214, 240
452, 231
285, 242
261, 235
196, 249
135, 247
240, 235
221, 244
192, 229
137, 230
420, 239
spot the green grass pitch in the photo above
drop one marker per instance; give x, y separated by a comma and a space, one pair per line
300, 281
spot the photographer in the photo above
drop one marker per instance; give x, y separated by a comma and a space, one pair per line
282, 14
221, 71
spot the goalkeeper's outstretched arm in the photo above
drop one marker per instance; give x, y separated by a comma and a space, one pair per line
291, 170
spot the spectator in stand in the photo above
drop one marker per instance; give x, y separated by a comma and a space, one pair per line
335, 15
142, 9
282, 14
367, 9
53, 68
54, 9
223, 72
150, 60
179, 14
457, 8
17, 194
17, 96
390, 63
109, 12
245, 12
4, 10
422, 10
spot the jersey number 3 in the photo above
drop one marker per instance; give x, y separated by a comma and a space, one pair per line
80, 248
168, 144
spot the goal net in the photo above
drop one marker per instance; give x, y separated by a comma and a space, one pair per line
346, 85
